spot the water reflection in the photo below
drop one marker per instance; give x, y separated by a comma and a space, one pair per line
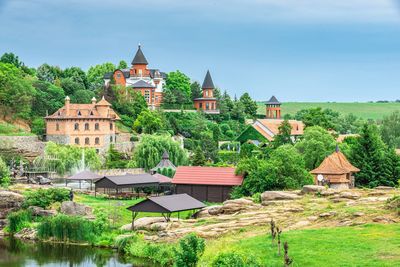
15, 253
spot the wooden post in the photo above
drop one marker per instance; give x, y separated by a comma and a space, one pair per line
134, 215
80, 184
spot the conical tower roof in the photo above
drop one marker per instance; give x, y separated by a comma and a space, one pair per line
336, 163
139, 58
208, 82
273, 101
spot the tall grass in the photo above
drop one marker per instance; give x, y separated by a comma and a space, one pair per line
19, 220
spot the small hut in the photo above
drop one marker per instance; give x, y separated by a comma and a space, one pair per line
165, 163
335, 171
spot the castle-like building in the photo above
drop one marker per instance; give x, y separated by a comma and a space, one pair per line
85, 125
149, 82
207, 103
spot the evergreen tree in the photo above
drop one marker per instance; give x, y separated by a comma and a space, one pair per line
198, 158
114, 159
196, 90
250, 106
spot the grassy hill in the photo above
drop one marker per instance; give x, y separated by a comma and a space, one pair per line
362, 110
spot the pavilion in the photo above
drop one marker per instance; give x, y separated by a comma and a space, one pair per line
165, 205
164, 163
84, 176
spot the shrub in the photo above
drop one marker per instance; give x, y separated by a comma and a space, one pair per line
4, 173
257, 197
67, 228
101, 223
232, 259
45, 197
18, 220
191, 247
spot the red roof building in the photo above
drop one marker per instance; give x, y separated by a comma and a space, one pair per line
213, 184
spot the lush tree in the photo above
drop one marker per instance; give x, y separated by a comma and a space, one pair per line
250, 106
169, 96
12, 59
326, 118
248, 150
390, 130
284, 135
115, 159
226, 104
237, 112
4, 173
148, 122
122, 65
96, 73
376, 163
48, 73
48, 98
128, 103
349, 124
179, 84
196, 91
38, 126
16, 92
198, 158
70, 86
285, 169
316, 144
149, 151
82, 97
77, 75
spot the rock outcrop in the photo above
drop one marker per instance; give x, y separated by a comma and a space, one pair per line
73, 208
277, 195
39, 211
313, 189
9, 202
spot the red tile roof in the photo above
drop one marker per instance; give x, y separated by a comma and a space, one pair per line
206, 176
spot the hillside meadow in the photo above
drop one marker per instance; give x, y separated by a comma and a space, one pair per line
365, 110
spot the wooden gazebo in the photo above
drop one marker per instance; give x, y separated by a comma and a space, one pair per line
335, 171
84, 176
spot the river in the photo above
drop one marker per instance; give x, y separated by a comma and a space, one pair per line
16, 253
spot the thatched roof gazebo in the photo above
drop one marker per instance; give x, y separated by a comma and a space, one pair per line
336, 171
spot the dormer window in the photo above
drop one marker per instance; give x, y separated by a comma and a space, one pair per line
91, 113
59, 113
79, 113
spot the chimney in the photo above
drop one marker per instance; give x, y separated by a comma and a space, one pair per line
67, 102
94, 101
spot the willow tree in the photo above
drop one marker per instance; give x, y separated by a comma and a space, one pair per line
149, 151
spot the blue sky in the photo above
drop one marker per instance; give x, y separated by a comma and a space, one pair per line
298, 50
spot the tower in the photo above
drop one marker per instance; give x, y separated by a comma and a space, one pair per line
139, 64
273, 108
208, 86
207, 103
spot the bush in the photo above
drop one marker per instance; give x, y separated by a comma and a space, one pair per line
256, 198
4, 173
19, 220
67, 228
191, 247
45, 197
232, 259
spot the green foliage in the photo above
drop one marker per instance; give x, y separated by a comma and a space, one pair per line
196, 91
18, 220
77, 75
390, 130
232, 259
178, 85
149, 151
48, 98
10, 129
82, 96
316, 144
250, 106
256, 197
198, 158
67, 229
122, 65
284, 135
326, 118
285, 169
16, 92
229, 157
250, 134
128, 103
148, 122
115, 159
101, 224
394, 203
48, 73
38, 126
95, 75
69, 157
12, 59
191, 247
4, 173
45, 197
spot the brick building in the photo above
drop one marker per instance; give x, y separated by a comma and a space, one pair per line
85, 125
149, 82
207, 103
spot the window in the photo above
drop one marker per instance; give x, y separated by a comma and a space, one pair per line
206, 92
207, 106
111, 139
57, 127
111, 126
140, 72
86, 126
200, 105
87, 142
96, 127
77, 140
76, 127
147, 96
59, 113
79, 113
118, 75
97, 141
91, 113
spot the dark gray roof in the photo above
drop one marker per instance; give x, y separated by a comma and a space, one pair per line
108, 75
205, 98
85, 175
142, 84
131, 179
126, 72
139, 58
171, 203
273, 101
208, 83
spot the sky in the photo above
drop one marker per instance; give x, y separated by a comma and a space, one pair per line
297, 50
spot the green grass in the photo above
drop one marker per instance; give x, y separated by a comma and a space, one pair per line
367, 245
118, 208
9, 129
362, 110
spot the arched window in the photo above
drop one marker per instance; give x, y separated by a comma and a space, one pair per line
97, 141
87, 142
111, 139
76, 126
111, 126
57, 127
77, 140
96, 127
86, 126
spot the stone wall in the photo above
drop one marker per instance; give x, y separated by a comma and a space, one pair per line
27, 146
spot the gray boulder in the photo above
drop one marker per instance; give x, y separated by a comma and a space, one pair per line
10, 199
312, 189
39, 211
277, 195
349, 195
73, 208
